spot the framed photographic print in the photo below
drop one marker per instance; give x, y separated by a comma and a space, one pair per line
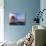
16, 19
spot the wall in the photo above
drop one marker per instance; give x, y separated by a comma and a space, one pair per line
29, 8
43, 6
1, 21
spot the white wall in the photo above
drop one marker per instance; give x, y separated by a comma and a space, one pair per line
43, 6
1, 21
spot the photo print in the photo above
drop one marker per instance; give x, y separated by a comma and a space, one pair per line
16, 19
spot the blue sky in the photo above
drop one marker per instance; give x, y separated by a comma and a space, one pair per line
19, 16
